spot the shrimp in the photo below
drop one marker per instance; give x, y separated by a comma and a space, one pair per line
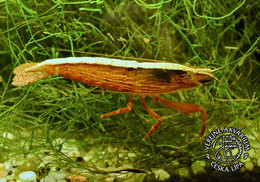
125, 76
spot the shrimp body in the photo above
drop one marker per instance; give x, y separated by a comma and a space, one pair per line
147, 78
154, 78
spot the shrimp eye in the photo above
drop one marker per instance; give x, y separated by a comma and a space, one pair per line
189, 75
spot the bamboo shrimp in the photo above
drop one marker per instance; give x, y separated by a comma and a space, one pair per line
125, 76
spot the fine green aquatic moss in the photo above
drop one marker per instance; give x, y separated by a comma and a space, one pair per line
201, 33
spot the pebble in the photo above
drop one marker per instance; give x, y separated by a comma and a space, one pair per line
184, 172
2, 166
110, 179
9, 136
28, 176
249, 166
75, 178
28, 166
58, 175
87, 157
198, 167
48, 179
17, 171
68, 148
131, 154
8, 167
258, 162
257, 157
3, 173
161, 175
140, 177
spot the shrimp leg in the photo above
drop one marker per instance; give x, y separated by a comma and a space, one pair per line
185, 108
122, 110
154, 115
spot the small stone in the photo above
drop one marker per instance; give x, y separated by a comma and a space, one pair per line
9, 136
68, 148
87, 157
3, 179
198, 167
13, 163
58, 175
17, 171
121, 155
110, 179
242, 169
8, 167
2, 166
249, 166
131, 154
31, 156
28, 166
47, 152
257, 158
140, 177
258, 162
251, 153
28, 176
3, 173
77, 178
184, 172
48, 179
161, 175
111, 149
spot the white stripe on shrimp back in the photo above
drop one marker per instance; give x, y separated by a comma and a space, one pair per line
122, 63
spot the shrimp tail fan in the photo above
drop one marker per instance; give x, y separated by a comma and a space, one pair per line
24, 74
